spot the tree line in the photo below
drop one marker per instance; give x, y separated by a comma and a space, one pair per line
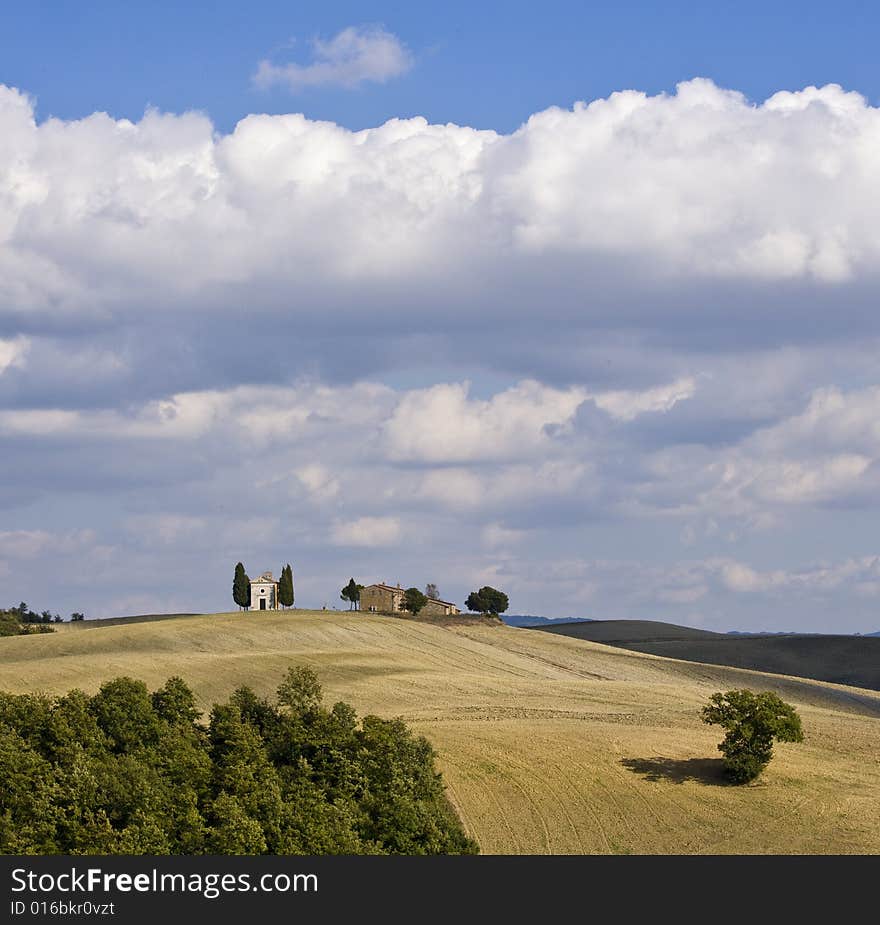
129, 771
22, 621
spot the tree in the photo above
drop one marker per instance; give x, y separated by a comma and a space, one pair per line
241, 587
75, 617
300, 691
431, 592
175, 702
285, 587
752, 722
351, 593
487, 600
124, 710
414, 600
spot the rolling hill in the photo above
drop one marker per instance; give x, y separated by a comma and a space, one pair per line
853, 660
547, 744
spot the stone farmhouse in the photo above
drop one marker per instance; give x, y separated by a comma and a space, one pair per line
383, 598
264, 593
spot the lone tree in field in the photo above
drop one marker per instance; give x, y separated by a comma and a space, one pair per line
487, 600
285, 587
241, 587
414, 600
431, 592
352, 593
752, 722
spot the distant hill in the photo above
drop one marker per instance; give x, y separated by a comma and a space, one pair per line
764, 633
529, 621
853, 660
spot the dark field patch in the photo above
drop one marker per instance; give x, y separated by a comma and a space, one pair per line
852, 660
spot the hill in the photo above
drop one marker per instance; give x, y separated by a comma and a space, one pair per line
528, 620
852, 660
547, 744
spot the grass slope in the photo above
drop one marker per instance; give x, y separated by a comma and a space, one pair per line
853, 660
547, 744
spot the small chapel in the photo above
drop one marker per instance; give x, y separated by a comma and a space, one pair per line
264, 593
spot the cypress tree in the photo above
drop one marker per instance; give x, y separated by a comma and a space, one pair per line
241, 587
285, 586
351, 593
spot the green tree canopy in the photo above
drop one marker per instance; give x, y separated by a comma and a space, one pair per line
487, 600
752, 721
241, 587
126, 771
414, 600
352, 593
285, 587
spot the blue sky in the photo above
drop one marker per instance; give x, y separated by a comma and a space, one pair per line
486, 65
576, 301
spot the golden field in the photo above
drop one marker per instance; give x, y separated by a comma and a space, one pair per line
547, 744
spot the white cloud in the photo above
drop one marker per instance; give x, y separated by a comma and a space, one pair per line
356, 55
319, 481
739, 577
12, 352
28, 544
367, 531
695, 185
833, 421
859, 575
257, 416
498, 536
444, 424
167, 528
462, 489
627, 405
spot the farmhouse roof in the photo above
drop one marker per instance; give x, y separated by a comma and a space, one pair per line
384, 587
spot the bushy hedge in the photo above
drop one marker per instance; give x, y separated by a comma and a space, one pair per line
130, 772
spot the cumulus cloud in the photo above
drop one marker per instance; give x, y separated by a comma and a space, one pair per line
367, 531
443, 424
627, 405
858, 575
622, 328
696, 185
12, 352
356, 55
319, 481
257, 415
